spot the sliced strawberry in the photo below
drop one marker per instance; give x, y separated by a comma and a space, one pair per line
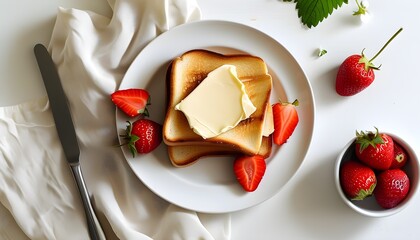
132, 101
249, 171
286, 119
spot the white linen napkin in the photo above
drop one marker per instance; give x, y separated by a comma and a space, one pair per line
92, 53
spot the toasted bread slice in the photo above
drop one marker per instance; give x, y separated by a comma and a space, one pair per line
185, 155
184, 75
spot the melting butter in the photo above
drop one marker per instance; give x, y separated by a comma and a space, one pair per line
268, 127
217, 104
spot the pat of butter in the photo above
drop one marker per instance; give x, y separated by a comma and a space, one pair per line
268, 121
217, 104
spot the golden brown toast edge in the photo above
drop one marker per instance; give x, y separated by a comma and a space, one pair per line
197, 152
178, 119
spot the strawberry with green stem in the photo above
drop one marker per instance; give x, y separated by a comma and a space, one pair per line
132, 102
357, 72
357, 180
375, 149
286, 118
142, 136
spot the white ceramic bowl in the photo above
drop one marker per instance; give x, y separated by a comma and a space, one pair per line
368, 206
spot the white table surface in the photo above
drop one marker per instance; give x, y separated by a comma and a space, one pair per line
308, 207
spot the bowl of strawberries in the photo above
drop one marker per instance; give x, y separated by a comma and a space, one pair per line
377, 173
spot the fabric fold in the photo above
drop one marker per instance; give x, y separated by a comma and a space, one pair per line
36, 185
92, 53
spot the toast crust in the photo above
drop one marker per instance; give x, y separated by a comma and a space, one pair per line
186, 155
184, 75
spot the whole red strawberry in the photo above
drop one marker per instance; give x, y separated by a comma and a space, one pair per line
249, 170
354, 75
392, 187
132, 101
357, 180
143, 136
400, 156
376, 150
356, 72
285, 118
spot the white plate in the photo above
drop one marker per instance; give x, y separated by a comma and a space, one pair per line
210, 185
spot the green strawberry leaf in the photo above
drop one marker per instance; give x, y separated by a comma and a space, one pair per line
313, 12
364, 193
366, 139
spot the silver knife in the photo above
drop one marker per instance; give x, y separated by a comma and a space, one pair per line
66, 132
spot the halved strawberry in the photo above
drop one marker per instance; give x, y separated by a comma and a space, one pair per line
249, 171
285, 120
132, 101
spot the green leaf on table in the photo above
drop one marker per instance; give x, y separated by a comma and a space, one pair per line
313, 12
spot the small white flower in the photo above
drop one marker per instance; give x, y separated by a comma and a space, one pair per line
363, 12
364, 4
365, 17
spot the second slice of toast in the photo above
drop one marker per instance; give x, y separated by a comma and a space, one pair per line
185, 155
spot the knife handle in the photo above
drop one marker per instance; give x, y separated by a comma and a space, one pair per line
95, 230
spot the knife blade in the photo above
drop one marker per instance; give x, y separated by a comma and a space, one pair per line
66, 132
